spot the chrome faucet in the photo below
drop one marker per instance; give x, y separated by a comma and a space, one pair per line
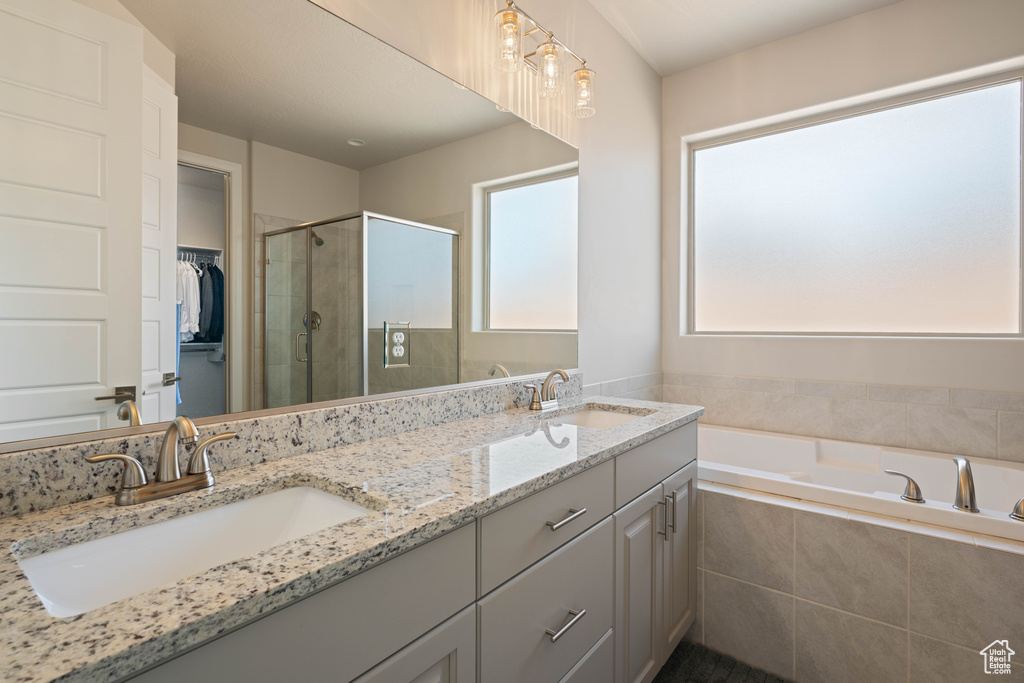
499, 368
964, 486
135, 487
129, 412
544, 397
1018, 511
181, 430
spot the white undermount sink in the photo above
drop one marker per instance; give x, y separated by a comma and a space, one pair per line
95, 573
595, 418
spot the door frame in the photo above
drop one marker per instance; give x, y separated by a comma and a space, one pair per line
238, 305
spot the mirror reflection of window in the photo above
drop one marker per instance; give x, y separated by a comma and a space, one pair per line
531, 254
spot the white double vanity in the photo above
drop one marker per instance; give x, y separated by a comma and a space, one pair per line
511, 546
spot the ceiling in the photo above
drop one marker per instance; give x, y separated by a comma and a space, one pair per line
289, 74
672, 35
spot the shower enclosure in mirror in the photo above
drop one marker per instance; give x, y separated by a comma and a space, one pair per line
334, 288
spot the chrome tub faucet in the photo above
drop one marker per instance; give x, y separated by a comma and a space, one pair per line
965, 499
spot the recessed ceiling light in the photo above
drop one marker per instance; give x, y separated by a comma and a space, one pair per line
356, 142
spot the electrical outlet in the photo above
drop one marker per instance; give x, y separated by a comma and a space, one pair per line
397, 339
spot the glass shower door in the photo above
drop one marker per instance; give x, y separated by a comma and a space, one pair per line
287, 353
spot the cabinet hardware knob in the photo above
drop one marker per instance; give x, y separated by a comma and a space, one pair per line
574, 514
576, 616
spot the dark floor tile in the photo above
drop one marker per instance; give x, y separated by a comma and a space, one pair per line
693, 663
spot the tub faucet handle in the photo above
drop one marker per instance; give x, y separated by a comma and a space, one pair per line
1018, 511
913, 492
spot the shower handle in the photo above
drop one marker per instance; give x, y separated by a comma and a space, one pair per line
297, 356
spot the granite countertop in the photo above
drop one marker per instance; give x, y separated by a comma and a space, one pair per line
418, 485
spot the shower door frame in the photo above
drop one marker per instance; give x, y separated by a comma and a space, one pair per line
366, 216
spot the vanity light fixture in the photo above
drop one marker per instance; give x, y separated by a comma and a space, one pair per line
547, 61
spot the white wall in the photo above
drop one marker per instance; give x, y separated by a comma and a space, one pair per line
293, 185
619, 239
920, 42
200, 217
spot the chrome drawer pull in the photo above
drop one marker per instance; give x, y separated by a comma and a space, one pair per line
576, 616
574, 514
664, 506
670, 522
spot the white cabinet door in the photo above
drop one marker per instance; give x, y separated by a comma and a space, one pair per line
70, 209
679, 597
639, 547
446, 654
158, 403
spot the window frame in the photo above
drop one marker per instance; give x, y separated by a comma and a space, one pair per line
511, 185
874, 106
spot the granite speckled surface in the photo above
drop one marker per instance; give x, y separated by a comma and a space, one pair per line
42, 478
418, 485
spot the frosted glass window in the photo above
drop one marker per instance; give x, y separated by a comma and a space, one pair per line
409, 275
532, 256
903, 221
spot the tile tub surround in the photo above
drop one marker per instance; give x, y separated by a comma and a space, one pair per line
833, 595
38, 479
983, 424
419, 484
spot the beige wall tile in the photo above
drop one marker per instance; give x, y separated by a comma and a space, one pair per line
671, 378
719, 381
749, 541
1011, 437
851, 566
869, 421
767, 384
990, 400
643, 381
963, 594
692, 396
796, 414
614, 387
695, 634
752, 624
832, 389
732, 408
835, 647
649, 394
964, 431
897, 394
933, 660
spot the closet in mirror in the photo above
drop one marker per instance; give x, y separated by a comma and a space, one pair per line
218, 207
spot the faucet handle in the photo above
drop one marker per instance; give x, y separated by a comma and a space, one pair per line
1018, 511
913, 492
535, 398
199, 463
133, 476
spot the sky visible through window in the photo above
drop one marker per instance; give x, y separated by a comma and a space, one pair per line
906, 220
532, 244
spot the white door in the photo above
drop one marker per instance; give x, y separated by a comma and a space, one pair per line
70, 209
157, 402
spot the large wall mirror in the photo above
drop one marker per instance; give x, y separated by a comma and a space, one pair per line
213, 207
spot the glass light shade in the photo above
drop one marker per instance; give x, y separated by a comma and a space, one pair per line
549, 69
508, 25
583, 93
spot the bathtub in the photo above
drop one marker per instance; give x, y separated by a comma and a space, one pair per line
850, 475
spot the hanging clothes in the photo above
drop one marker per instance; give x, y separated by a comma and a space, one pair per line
188, 295
205, 303
216, 331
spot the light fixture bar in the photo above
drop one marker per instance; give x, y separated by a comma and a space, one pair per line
537, 27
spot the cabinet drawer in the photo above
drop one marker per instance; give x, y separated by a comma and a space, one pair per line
646, 465
597, 666
342, 631
515, 537
514, 646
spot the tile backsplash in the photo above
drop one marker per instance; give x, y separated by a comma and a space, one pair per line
943, 419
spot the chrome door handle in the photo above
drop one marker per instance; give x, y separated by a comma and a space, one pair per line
664, 505
121, 394
297, 356
576, 616
670, 520
170, 379
574, 514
